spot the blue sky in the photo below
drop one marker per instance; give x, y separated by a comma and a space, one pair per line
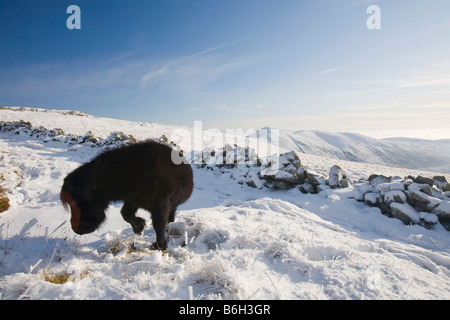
288, 64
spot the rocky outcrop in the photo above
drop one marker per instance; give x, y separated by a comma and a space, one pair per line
413, 200
441, 183
115, 139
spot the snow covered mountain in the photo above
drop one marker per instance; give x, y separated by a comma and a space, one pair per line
431, 155
228, 241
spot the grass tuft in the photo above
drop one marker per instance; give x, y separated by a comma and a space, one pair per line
4, 200
56, 278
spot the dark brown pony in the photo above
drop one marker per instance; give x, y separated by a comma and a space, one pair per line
141, 175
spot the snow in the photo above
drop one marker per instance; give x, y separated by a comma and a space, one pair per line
229, 241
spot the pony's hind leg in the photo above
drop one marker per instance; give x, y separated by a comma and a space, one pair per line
172, 214
160, 218
129, 215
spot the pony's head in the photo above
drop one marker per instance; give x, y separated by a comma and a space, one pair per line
86, 214
68, 201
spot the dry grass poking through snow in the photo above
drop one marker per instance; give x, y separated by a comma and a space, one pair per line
4, 200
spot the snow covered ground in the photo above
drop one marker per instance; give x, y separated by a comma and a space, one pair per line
229, 241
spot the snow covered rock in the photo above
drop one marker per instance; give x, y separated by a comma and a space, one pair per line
404, 212
371, 198
424, 180
405, 198
397, 186
315, 178
376, 179
422, 201
290, 177
443, 213
383, 188
286, 172
254, 181
442, 183
291, 157
394, 196
337, 177
429, 219
425, 188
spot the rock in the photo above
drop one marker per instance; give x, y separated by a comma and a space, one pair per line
315, 178
240, 173
282, 175
290, 177
307, 188
424, 180
336, 177
292, 157
364, 187
394, 196
322, 187
282, 185
431, 218
397, 186
291, 169
89, 137
404, 212
407, 182
302, 174
385, 208
425, 188
383, 188
442, 183
345, 183
56, 132
376, 179
437, 193
253, 180
228, 147
371, 198
422, 200
284, 171
443, 213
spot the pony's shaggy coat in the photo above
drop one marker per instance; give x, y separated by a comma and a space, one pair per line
141, 175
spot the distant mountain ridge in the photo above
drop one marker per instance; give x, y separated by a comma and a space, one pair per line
429, 155
432, 155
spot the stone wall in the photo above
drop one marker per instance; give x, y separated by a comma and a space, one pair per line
414, 200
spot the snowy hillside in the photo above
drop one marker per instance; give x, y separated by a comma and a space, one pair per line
228, 241
428, 155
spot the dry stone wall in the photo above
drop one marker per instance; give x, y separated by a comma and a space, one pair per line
413, 200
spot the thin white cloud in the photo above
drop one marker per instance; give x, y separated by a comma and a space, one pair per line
215, 48
153, 74
426, 83
190, 72
328, 71
128, 74
431, 77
